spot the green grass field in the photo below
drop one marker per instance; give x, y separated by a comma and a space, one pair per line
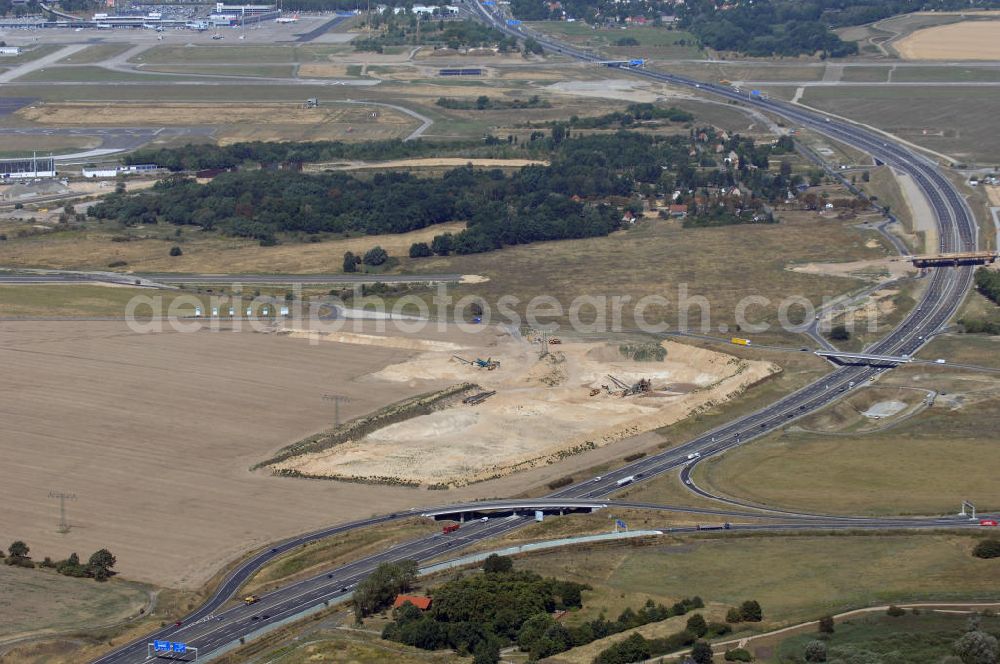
817, 575
95, 54
865, 74
255, 71
84, 73
924, 465
724, 265
238, 55
927, 637
958, 120
945, 74
653, 42
41, 601
82, 300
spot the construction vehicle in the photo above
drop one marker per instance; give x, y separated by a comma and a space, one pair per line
250, 599
555, 341
725, 82
740, 342
594, 392
489, 364
450, 528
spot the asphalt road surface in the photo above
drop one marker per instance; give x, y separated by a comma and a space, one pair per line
212, 627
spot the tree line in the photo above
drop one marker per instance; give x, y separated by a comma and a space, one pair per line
402, 29
486, 103
203, 156
634, 113
98, 566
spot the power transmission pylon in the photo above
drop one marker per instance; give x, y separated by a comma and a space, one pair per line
337, 399
63, 497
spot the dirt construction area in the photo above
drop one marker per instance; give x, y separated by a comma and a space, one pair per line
966, 40
545, 408
155, 433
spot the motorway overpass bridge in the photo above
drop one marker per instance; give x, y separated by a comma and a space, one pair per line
871, 359
955, 259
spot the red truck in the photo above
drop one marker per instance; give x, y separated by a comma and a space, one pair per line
451, 528
989, 523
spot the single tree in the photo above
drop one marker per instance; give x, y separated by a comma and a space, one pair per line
176, 251
375, 256
100, 564
839, 333
733, 615
751, 611
350, 262
495, 564
826, 625
18, 550
696, 625
701, 653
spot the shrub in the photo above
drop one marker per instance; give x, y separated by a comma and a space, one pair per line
634, 457
751, 612
733, 615
738, 655
176, 251
117, 263
497, 564
696, 625
988, 548
561, 482
420, 250
839, 333
375, 256
895, 611
815, 651
826, 625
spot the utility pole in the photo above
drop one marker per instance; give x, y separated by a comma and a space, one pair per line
63, 497
337, 399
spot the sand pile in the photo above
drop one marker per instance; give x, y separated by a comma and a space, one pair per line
543, 410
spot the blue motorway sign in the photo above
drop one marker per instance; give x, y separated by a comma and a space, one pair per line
179, 647
161, 646
636, 62
513, 21
489, 3
755, 93
620, 523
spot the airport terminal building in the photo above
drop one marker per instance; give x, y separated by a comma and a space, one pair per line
28, 168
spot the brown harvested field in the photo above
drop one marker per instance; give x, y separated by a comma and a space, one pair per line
192, 113
966, 40
202, 252
993, 193
39, 601
155, 434
544, 409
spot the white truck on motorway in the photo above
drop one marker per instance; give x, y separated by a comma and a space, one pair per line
625, 480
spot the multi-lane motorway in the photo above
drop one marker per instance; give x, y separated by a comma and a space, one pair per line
212, 627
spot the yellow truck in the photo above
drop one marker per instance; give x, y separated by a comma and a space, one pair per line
740, 342
251, 599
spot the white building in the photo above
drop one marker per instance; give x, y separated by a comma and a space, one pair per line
115, 171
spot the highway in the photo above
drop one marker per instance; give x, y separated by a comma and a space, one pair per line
212, 627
